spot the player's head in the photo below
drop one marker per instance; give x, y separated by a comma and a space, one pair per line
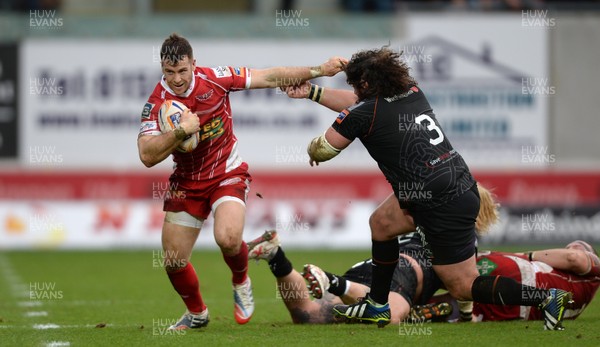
488, 211
582, 246
177, 63
378, 72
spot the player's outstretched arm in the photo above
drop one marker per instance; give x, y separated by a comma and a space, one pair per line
334, 99
153, 149
572, 260
286, 75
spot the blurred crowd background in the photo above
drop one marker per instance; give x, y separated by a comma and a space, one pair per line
259, 6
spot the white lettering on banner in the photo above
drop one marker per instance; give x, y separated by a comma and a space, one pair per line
476, 93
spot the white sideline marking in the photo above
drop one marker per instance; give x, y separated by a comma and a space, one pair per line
36, 314
46, 326
56, 326
20, 290
58, 343
29, 303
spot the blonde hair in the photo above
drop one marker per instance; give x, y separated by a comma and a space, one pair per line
488, 211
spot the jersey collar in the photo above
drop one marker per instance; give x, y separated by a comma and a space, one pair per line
163, 83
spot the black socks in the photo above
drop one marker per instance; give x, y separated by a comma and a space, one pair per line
280, 265
385, 259
500, 290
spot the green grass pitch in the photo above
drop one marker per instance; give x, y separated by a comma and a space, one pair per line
123, 298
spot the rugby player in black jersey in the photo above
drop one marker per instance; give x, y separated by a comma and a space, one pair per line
414, 283
432, 186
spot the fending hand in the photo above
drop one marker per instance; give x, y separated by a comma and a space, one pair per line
332, 66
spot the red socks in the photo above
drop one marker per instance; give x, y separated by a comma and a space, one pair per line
185, 282
238, 264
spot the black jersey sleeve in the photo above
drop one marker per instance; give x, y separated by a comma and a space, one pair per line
355, 121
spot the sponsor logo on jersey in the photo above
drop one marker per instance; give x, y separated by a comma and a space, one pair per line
341, 116
410, 92
442, 158
205, 96
239, 71
146, 111
221, 71
146, 126
212, 130
486, 266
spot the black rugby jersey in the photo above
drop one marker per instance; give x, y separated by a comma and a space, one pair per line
403, 136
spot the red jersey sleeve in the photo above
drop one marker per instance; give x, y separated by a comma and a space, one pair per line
230, 78
149, 118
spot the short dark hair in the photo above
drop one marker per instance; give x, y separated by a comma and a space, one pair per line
174, 49
383, 70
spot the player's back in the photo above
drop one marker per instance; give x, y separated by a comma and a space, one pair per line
413, 152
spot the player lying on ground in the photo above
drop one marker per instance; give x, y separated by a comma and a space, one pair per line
575, 268
414, 282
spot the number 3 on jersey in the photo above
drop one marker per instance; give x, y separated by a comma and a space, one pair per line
431, 127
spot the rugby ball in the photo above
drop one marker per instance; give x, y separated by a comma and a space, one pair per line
168, 119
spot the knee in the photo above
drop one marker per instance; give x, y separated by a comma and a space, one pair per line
385, 226
229, 244
381, 225
461, 290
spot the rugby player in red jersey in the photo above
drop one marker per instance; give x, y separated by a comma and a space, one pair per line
575, 268
211, 178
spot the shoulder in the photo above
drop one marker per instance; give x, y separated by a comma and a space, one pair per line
158, 94
361, 110
363, 106
218, 73
213, 73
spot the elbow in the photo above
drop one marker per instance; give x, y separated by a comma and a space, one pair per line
577, 262
147, 160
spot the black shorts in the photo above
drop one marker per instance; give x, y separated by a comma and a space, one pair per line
450, 229
404, 281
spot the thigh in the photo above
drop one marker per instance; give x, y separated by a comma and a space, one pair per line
228, 203
389, 220
178, 242
458, 278
229, 226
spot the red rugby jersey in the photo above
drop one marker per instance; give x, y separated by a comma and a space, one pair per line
208, 97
